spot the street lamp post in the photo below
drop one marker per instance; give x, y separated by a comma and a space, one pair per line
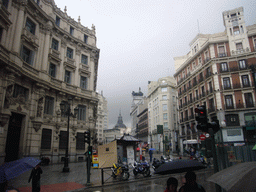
65, 109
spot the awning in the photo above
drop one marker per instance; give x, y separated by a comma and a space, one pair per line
193, 141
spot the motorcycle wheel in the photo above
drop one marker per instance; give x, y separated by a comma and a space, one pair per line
146, 173
126, 175
135, 173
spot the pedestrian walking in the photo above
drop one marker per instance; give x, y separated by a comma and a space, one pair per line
35, 176
172, 184
191, 185
151, 155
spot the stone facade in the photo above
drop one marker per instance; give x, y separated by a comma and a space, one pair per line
162, 110
219, 72
46, 57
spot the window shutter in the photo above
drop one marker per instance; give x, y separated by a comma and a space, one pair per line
46, 139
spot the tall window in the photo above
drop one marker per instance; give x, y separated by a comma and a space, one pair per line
84, 59
1, 33
81, 113
52, 70
27, 55
83, 82
242, 64
239, 46
226, 83
164, 97
245, 81
164, 107
67, 77
57, 21
164, 89
55, 44
46, 139
165, 125
5, 3
229, 101
30, 26
224, 67
80, 144
71, 30
222, 51
63, 139
85, 38
165, 116
248, 100
19, 90
49, 105
69, 53
236, 30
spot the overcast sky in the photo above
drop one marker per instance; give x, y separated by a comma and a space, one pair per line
139, 38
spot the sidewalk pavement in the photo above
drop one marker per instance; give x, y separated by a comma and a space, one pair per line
53, 179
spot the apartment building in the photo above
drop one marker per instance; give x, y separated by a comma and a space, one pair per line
219, 72
162, 110
47, 60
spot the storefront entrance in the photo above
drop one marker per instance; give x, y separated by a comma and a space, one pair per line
13, 137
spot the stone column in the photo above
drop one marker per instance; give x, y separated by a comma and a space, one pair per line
46, 48
19, 30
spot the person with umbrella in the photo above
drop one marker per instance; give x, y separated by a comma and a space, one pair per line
35, 176
191, 184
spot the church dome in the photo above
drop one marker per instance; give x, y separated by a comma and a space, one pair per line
120, 123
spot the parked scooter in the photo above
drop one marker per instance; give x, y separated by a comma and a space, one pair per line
120, 170
142, 168
156, 163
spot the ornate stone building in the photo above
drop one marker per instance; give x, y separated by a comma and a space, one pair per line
46, 58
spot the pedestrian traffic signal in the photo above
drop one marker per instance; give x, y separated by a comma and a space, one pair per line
90, 150
201, 115
87, 137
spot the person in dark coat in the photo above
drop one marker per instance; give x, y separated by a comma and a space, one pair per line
191, 185
35, 176
172, 184
151, 155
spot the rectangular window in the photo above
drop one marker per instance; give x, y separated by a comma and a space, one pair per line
199, 60
20, 91
248, 100
84, 59
85, 38
232, 120
46, 139
173, 98
5, 3
164, 97
55, 44
165, 125
239, 46
224, 67
164, 107
30, 26
164, 89
236, 30
67, 77
71, 30
245, 81
165, 116
52, 70
27, 55
226, 83
80, 144
83, 82
63, 139
69, 53
242, 64
81, 113
229, 101
57, 21
222, 51
1, 33
49, 105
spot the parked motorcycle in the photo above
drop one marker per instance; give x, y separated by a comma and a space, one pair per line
156, 163
120, 170
142, 168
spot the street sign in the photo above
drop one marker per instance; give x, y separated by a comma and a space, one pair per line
202, 137
207, 135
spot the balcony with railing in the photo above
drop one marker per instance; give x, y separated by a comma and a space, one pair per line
226, 87
234, 69
240, 51
208, 92
225, 70
227, 107
249, 104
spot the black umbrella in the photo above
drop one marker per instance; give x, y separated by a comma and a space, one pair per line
179, 166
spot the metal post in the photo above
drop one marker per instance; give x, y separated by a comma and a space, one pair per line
66, 168
102, 176
88, 167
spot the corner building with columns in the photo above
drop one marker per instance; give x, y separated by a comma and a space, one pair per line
46, 58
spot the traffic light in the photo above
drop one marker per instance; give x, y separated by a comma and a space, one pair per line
201, 118
87, 137
90, 150
208, 146
201, 115
215, 125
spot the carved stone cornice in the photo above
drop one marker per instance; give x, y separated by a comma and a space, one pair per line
37, 123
